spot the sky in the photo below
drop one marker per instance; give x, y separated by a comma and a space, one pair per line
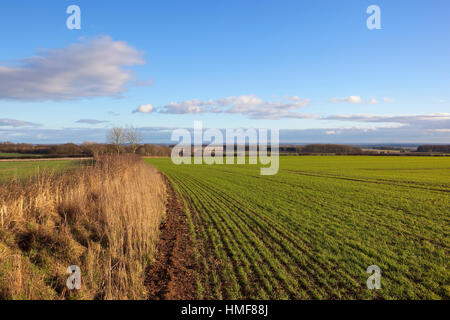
312, 69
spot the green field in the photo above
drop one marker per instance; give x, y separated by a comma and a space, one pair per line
18, 155
24, 169
311, 231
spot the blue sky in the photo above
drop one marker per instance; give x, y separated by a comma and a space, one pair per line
310, 68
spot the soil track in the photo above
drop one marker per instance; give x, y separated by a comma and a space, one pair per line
173, 274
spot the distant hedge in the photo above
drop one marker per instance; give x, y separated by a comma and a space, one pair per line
74, 150
434, 148
331, 148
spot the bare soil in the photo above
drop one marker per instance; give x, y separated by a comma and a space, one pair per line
173, 274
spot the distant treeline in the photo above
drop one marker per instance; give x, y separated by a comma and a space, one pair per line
341, 149
84, 150
309, 149
330, 148
434, 148
345, 149
323, 149
68, 149
94, 149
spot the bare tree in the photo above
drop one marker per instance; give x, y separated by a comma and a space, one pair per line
116, 137
133, 137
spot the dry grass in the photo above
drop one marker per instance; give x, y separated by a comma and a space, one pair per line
105, 219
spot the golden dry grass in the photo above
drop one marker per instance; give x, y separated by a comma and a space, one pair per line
104, 218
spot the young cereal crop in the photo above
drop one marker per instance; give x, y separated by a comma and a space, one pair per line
311, 231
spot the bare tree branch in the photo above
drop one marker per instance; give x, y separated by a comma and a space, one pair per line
116, 137
133, 137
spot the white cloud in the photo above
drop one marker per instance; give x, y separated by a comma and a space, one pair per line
188, 106
441, 130
144, 108
390, 118
359, 100
91, 68
351, 99
425, 121
249, 105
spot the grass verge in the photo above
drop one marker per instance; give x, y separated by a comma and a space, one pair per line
104, 219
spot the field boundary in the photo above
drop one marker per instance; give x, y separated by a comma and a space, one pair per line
172, 276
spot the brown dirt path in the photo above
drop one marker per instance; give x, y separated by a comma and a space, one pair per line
173, 275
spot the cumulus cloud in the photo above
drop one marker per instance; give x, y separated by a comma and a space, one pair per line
373, 101
91, 121
248, 105
144, 108
91, 68
16, 123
